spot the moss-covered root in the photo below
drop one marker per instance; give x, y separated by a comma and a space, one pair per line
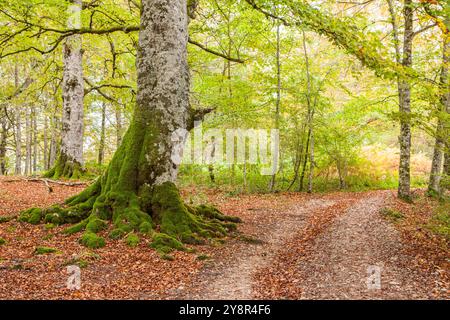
65, 168
123, 209
180, 223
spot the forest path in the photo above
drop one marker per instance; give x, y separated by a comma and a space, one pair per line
355, 254
232, 277
361, 256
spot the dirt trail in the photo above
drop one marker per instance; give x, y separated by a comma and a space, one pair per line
357, 245
231, 278
357, 242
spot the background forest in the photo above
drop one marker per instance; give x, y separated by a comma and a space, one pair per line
96, 101
338, 114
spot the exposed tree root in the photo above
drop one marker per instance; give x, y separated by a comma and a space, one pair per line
65, 168
158, 212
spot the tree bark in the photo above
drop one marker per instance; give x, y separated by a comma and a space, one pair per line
35, 140
101, 148
18, 127
70, 160
441, 134
4, 127
45, 133
277, 103
28, 141
404, 89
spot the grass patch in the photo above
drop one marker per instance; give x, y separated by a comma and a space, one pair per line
203, 257
392, 214
2, 241
44, 250
132, 240
5, 219
440, 222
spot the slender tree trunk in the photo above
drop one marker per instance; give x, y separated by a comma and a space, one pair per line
45, 133
404, 186
27, 141
444, 183
277, 103
70, 160
35, 140
309, 116
311, 164
53, 140
441, 134
18, 127
18, 136
305, 161
4, 127
101, 148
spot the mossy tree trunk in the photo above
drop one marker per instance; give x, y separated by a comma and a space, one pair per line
70, 160
137, 192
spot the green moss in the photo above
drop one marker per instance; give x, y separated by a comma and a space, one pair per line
4, 219
203, 257
32, 216
145, 227
213, 213
2, 241
49, 226
117, 234
250, 240
392, 214
44, 250
440, 222
95, 225
164, 243
132, 240
76, 228
48, 237
82, 263
65, 167
93, 241
167, 257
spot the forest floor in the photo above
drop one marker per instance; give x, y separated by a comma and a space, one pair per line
290, 246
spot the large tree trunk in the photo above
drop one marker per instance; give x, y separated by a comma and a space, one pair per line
404, 89
70, 161
441, 134
137, 191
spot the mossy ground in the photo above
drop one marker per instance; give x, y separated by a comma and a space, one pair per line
159, 214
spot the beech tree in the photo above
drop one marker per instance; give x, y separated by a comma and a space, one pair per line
70, 160
138, 189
